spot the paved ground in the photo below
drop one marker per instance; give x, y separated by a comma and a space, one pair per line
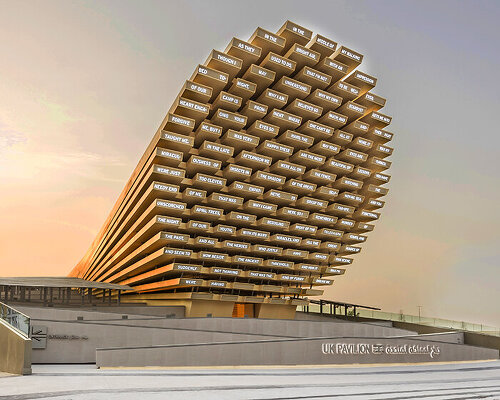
79, 382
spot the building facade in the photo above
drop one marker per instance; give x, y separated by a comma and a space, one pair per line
260, 184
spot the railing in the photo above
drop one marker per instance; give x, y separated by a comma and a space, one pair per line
437, 322
414, 319
15, 318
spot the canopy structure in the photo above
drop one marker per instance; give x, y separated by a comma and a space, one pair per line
330, 307
60, 282
64, 290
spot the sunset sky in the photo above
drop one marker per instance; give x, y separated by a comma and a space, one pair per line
85, 84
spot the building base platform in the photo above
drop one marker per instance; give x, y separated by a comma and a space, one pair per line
220, 305
135, 335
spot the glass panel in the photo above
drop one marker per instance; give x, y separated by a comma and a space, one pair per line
15, 319
415, 319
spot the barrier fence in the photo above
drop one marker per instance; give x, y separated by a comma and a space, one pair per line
414, 319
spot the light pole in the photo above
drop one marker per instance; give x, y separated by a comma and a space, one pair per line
419, 309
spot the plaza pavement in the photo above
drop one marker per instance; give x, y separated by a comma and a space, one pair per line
471, 380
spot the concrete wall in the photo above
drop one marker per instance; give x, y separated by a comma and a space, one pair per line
15, 351
472, 338
70, 340
305, 351
479, 339
157, 311
73, 335
277, 311
448, 337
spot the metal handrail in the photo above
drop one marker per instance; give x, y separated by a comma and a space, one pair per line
316, 308
15, 319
